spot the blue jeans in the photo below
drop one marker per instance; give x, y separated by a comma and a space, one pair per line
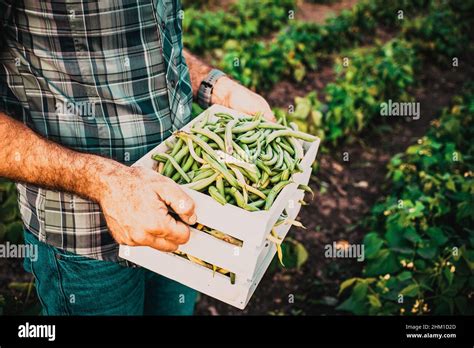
70, 284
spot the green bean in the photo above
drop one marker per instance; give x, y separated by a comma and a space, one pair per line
265, 184
280, 159
258, 204
249, 139
273, 160
177, 158
265, 177
271, 125
240, 200
170, 143
157, 157
218, 167
298, 168
286, 146
306, 188
256, 191
285, 175
224, 115
200, 143
241, 179
290, 133
211, 135
195, 165
246, 126
293, 126
268, 154
214, 192
263, 167
274, 192
275, 178
176, 177
168, 169
193, 153
289, 161
220, 185
203, 183
202, 174
298, 148
177, 167
240, 152
188, 163
177, 147
228, 137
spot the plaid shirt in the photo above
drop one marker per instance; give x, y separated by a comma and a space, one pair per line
101, 76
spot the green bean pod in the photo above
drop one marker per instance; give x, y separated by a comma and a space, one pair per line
240, 200
218, 167
211, 135
202, 174
249, 139
203, 183
290, 133
177, 167
246, 126
214, 193
274, 192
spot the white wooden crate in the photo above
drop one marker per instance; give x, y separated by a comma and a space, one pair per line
248, 262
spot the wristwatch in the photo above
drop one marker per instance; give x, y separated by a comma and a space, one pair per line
205, 89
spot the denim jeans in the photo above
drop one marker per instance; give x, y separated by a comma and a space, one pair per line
70, 284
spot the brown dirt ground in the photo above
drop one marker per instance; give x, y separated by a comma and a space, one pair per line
318, 13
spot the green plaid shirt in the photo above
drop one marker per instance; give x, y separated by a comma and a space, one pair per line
101, 76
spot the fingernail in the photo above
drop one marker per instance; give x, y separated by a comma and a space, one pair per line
193, 219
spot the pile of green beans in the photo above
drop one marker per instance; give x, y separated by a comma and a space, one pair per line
244, 161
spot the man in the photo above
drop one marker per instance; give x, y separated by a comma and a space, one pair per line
87, 88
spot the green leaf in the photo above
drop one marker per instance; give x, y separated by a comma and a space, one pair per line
437, 235
346, 283
372, 243
411, 290
411, 234
374, 301
404, 276
385, 262
427, 252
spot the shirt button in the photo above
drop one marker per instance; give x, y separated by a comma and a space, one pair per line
163, 25
173, 83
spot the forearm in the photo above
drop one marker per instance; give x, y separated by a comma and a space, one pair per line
198, 70
27, 157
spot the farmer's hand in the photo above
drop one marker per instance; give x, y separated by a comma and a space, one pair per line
229, 93
135, 203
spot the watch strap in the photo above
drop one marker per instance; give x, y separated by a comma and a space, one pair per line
205, 89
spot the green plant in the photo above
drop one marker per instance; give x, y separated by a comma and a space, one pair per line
11, 227
245, 19
419, 253
441, 35
370, 77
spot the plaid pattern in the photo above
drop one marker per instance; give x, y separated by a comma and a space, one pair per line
106, 77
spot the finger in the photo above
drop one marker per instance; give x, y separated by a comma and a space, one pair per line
161, 244
172, 230
268, 114
178, 200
